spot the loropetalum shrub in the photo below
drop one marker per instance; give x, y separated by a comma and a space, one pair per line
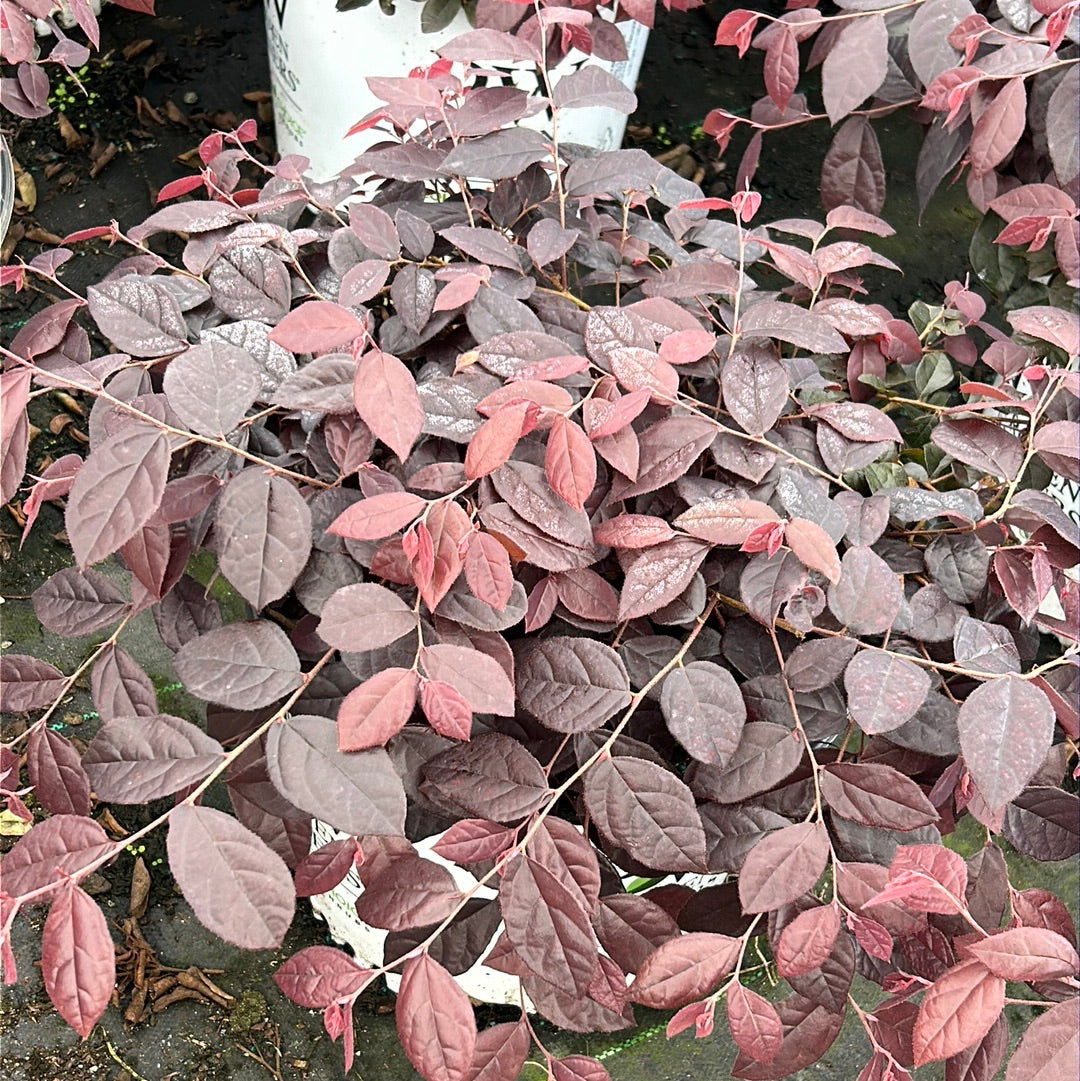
589, 524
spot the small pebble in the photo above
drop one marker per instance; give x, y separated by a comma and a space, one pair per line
190, 97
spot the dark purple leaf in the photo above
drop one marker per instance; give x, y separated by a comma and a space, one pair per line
137, 317
648, 811
704, 711
883, 690
868, 596
755, 386
876, 795
684, 969
319, 976
27, 683
72, 603
783, 866
57, 774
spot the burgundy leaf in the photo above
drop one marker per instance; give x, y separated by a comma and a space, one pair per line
488, 571
1049, 1047
136, 316
754, 1023
435, 1022
852, 172
492, 775
27, 683
479, 679
855, 66
386, 399
237, 887
377, 709
1006, 726
242, 665
500, 1052
704, 711
571, 684
957, 1011
547, 927
57, 774
684, 969
1022, 954
61, 845
767, 753
755, 386
77, 959
783, 866
630, 927
358, 794
809, 1029
263, 526
986, 446
868, 596
579, 1067
876, 795
408, 892
658, 576
378, 516
446, 709
73, 603
138, 759
116, 491
319, 976
884, 691
643, 808
473, 840
212, 386
364, 616
324, 868
807, 940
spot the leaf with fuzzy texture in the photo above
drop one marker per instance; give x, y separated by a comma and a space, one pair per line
813, 547
683, 969
57, 774
855, 66
61, 845
435, 1022
77, 959
137, 316
1021, 954
116, 491
377, 710
448, 525
472, 840
378, 516
807, 940
446, 709
492, 775
884, 691
633, 531
726, 521
852, 172
926, 878
263, 526
754, 1023
488, 572
494, 441
809, 1029
876, 795
658, 576
120, 688
479, 679
319, 976
242, 665
316, 327
783, 866
643, 808
27, 683
982, 444
211, 386
704, 710
406, 892
237, 886
358, 794
501, 1051
547, 926
138, 759
385, 396
957, 1010
998, 128
868, 596
364, 616
1049, 1049
324, 868
1006, 726
571, 684
570, 462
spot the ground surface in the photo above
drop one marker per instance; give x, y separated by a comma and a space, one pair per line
166, 81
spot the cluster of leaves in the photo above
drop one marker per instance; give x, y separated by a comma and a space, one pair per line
25, 91
596, 529
994, 82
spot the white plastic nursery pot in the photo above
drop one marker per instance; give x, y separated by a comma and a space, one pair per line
320, 60
480, 983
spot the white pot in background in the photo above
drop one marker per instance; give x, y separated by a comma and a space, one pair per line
320, 60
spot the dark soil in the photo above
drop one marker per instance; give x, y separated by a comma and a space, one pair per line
161, 83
